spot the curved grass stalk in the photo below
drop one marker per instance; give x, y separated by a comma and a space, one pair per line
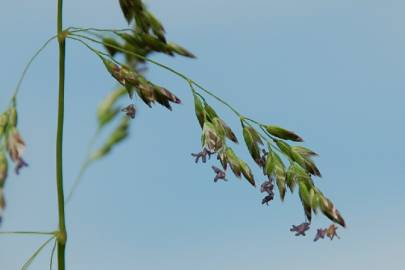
85, 165
36, 253
17, 89
52, 255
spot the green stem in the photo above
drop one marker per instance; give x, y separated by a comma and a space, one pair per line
62, 235
88, 46
194, 91
218, 98
253, 121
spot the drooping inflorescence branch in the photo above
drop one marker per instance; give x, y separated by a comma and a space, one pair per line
289, 165
274, 150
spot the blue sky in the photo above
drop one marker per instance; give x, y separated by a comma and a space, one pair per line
330, 70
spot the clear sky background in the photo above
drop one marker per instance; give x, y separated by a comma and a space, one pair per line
333, 71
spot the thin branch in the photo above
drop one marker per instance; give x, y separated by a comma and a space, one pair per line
99, 53
17, 89
36, 253
52, 255
78, 180
26, 233
79, 29
85, 165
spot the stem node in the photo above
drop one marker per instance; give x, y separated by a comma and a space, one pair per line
61, 237
62, 36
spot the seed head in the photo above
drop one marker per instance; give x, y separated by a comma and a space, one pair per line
267, 186
320, 234
130, 110
19, 165
268, 198
3, 168
15, 145
300, 229
3, 122
331, 231
220, 174
203, 155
